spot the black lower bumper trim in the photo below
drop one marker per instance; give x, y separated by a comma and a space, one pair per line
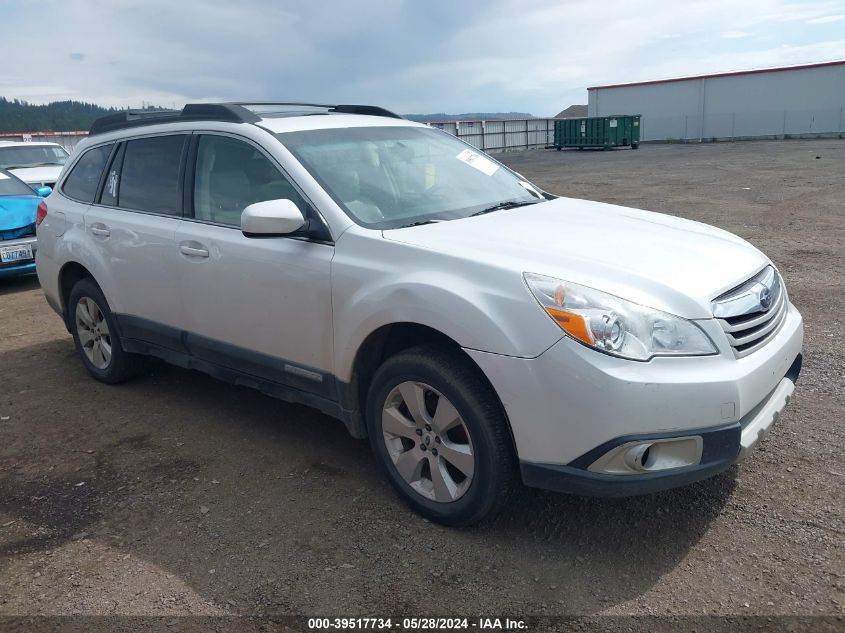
720, 450
795, 369
583, 482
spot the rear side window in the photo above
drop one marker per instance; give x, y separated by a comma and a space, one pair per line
150, 175
81, 184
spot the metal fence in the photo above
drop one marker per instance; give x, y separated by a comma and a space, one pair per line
502, 135
491, 136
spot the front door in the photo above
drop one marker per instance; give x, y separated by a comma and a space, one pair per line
261, 306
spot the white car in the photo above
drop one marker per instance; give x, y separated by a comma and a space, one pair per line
478, 330
37, 164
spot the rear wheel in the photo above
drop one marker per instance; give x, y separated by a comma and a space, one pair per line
440, 434
96, 336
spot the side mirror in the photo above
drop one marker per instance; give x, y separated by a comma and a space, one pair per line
271, 218
43, 192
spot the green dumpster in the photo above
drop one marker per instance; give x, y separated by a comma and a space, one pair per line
599, 131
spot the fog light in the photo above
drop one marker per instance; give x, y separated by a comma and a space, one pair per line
636, 457
650, 456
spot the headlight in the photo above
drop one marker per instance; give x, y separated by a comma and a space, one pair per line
616, 326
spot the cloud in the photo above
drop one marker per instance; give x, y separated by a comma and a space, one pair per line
409, 56
827, 19
734, 35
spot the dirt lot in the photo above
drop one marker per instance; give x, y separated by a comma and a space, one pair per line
175, 494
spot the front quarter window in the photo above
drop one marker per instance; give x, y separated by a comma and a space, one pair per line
231, 175
388, 177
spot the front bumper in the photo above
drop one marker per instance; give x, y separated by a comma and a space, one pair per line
571, 404
722, 447
24, 267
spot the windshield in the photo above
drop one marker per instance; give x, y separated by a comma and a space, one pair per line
388, 177
13, 187
19, 156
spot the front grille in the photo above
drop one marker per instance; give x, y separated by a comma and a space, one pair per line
752, 313
13, 234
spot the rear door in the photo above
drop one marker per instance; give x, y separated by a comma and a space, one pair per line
259, 305
133, 224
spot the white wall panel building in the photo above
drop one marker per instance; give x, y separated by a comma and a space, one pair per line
795, 101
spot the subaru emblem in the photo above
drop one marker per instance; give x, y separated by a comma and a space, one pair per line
765, 298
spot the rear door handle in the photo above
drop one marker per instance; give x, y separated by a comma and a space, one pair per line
100, 230
192, 249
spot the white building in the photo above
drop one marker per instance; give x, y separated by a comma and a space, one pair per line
805, 100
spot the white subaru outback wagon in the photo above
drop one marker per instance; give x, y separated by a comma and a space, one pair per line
477, 329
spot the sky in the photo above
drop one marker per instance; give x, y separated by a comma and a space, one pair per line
409, 56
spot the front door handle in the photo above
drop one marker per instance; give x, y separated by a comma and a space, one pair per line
192, 249
100, 230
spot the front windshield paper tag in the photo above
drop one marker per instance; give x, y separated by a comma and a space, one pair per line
484, 165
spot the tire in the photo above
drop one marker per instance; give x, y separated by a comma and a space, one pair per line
94, 329
469, 488
635, 146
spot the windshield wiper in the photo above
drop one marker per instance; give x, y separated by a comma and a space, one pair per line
418, 223
507, 204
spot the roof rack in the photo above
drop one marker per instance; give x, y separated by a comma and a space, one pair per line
240, 112
191, 112
294, 108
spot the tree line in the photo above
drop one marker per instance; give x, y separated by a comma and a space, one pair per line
68, 116
58, 116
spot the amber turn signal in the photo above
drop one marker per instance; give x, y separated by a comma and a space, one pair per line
573, 324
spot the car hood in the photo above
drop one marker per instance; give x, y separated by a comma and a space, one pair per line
657, 260
38, 175
17, 211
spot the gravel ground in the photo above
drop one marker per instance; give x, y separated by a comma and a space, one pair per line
175, 494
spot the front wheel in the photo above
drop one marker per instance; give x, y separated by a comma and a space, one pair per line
441, 436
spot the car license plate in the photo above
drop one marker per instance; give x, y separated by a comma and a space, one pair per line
15, 253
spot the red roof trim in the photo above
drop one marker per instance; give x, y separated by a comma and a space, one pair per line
726, 74
74, 133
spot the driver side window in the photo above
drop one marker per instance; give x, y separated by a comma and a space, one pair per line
231, 175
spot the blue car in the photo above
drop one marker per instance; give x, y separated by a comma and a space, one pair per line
18, 211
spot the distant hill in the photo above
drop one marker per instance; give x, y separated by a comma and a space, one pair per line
467, 116
67, 116
58, 116
573, 112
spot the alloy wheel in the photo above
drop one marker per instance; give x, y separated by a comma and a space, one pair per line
428, 442
93, 332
